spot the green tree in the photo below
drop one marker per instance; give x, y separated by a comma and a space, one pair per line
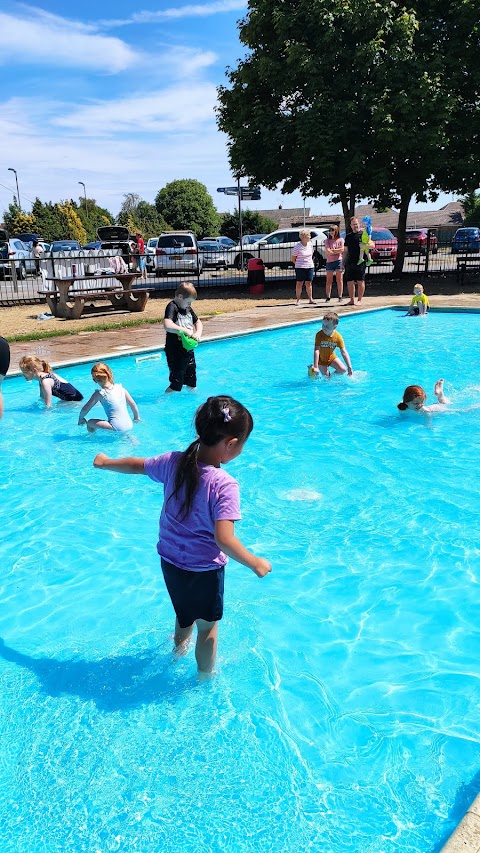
49, 224
471, 207
92, 216
139, 215
72, 224
357, 107
252, 223
10, 215
187, 204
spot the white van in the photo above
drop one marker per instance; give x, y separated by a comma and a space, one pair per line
275, 249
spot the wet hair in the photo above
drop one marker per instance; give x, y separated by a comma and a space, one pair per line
410, 393
32, 362
331, 317
304, 232
100, 370
336, 231
186, 288
218, 418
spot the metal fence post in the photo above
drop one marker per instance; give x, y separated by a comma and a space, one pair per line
427, 251
14, 276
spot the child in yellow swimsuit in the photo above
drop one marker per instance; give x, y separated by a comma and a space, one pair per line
327, 340
419, 303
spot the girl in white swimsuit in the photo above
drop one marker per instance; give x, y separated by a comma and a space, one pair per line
114, 399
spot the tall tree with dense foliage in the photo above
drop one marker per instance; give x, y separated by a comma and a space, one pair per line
471, 208
187, 204
347, 99
252, 223
139, 215
92, 216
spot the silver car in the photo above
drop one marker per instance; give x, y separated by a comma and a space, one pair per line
14, 250
214, 254
177, 251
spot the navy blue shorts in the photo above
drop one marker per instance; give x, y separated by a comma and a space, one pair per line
4, 356
304, 275
356, 273
194, 595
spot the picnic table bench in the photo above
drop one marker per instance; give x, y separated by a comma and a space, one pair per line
67, 299
470, 263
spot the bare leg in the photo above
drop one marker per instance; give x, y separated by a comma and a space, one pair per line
95, 423
323, 368
308, 288
328, 284
438, 390
182, 636
298, 290
351, 292
339, 278
360, 290
206, 646
338, 366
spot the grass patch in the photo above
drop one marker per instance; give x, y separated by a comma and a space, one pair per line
97, 327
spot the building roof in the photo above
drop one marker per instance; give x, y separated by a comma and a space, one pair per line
287, 213
448, 216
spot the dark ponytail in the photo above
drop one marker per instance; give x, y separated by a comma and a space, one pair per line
218, 418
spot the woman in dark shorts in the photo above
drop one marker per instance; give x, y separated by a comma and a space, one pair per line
4, 365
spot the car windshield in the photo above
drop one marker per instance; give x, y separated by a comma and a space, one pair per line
64, 245
383, 234
209, 247
177, 241
153, 242
413, 233
466, 232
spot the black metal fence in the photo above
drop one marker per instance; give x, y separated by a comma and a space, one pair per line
22, 280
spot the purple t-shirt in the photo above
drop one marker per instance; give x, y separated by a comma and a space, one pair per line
189, 542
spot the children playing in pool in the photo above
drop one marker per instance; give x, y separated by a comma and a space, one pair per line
181, 320
419, 303
327, 340
414, 398
51, 384
201, 505
114, 398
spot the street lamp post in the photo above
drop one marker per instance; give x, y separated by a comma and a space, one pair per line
18, 191
85, 196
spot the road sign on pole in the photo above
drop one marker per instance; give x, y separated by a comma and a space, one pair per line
246, 193
228, 190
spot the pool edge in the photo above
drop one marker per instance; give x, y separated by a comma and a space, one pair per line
466, 836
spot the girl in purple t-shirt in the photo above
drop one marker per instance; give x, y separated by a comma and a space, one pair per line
201, 505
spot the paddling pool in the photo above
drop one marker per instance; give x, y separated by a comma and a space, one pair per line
344, 716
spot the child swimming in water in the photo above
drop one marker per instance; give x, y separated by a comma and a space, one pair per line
114, 399
51, 384
414, 398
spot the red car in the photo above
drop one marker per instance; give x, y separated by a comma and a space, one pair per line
416, 241
385, 245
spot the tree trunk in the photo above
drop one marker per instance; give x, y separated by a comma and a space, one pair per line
405, 199
348, 205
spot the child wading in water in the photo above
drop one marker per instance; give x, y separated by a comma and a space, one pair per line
419, 303
51, 384
326, 342
201, 505
414, 398
114, 399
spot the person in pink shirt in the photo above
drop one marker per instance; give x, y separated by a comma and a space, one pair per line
302, 259
334, 247
200, 508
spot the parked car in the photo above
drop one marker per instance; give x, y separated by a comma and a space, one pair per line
177, 251
416, 241
385, 245
214, 254
28, 237
95, 244
224, 241
150, 247
466, 240
249, 239
64, 246
118, 237
275, 249
16, 250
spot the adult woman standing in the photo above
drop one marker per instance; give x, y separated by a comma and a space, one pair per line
302, 259
334, 246
4, 365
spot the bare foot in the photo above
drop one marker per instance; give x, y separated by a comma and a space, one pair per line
438, 390
350, 303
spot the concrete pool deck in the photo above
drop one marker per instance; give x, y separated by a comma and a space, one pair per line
88, 346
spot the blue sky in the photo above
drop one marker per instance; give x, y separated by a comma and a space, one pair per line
120, 97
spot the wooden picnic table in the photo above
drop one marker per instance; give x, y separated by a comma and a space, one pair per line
68, 300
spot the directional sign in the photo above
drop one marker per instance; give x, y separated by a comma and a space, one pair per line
228, 190
251, 193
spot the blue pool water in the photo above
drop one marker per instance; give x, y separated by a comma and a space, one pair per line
345, 713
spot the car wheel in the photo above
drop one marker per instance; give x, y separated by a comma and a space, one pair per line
22, 271
318, 261
246, 259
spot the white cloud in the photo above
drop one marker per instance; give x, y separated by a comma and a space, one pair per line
182, 108
45, 39
193, 10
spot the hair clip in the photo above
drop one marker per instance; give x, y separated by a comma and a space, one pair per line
226, 414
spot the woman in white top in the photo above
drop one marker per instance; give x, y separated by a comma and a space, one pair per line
302, 259
114, 399
334, 247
